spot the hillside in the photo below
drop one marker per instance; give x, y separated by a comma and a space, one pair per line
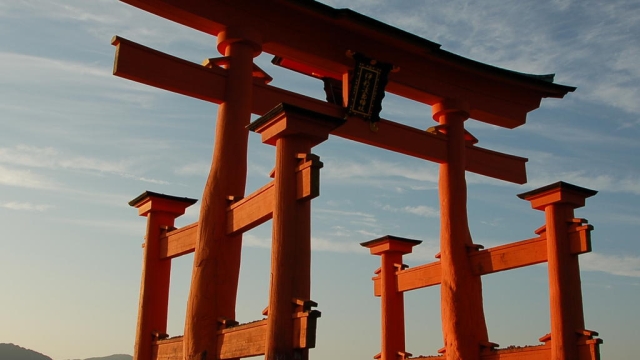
15, 352
113, 357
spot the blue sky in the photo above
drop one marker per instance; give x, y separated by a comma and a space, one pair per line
77, 143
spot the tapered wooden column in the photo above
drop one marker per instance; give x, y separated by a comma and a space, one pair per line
463, 322
558, 201
390, 249
294, 131
216, 267
161, 211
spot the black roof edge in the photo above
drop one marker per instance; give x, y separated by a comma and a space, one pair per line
147, 194
390, 237
561, 185
544, 80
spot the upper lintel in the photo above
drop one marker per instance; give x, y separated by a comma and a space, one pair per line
497, 96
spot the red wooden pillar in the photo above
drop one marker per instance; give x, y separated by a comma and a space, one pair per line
558, 201
390, 249
216, 267
294, 131
161, 211
463, 321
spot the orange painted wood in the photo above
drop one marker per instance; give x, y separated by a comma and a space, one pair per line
133, 62
178, 242
161, 211
558, 202
463, 324
285, 252
216, 270
244, 214
290, 31
510, 256
294, 131
488, 261
419, 277
251, 211
391, 249
565, 304
170, 349
244, 340
142, 64
308, 178
539, 352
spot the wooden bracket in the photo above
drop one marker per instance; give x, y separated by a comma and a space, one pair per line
488, 346
474, 247
224, 323
545, 339
400, 267
304, 305
156, 335
308, 176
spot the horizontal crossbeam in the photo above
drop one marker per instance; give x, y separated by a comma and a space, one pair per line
245, 214
500, 258
245, 340
139, 63
427, 73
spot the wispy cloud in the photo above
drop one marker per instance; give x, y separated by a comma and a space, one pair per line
352, 217
25, 206
420, 210
68, 10
317, 244
50, 158
623, 265
127, 227
25, 179
398, 176
589, 179
596, 47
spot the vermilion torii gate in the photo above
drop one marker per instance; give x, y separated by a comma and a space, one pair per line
311, 38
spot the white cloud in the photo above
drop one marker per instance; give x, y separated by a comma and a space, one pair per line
26, 206
127, 227
322, 244
15, 67
357, 214
50, 158
25, 179
376, 173
420, 210
60, 10
255, 241
623, 265
589, 179
317, 244
191, 169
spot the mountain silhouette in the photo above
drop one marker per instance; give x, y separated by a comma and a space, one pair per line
113, 357
15, 352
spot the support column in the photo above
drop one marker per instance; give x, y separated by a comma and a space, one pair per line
161, 211
391, 249
216, 267
463, 323
558, 201
294, 131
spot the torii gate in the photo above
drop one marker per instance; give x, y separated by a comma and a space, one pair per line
455, 87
